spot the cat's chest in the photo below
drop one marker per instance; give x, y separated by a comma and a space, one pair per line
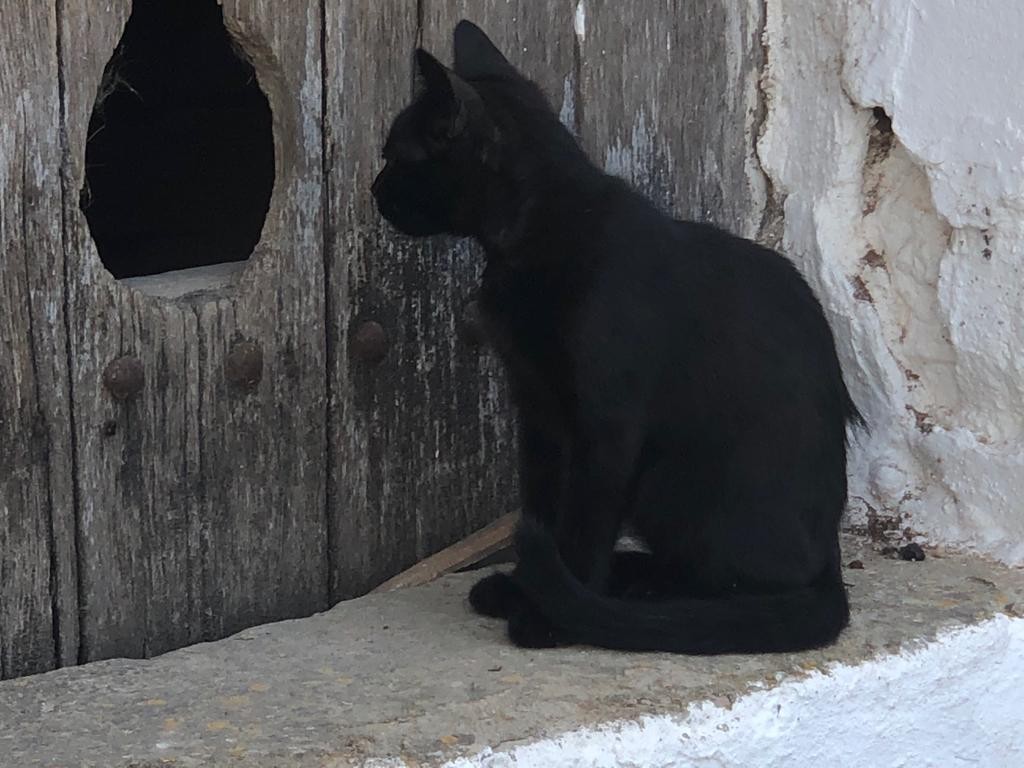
526, 320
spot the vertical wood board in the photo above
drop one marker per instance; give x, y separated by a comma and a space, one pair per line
202, 502
38, 609
670, 99
423, 440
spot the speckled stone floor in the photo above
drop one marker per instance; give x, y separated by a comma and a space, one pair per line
413, 675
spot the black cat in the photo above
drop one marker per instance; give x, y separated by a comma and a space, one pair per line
665, 373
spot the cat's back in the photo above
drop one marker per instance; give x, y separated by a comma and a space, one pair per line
717, 330
692, 296
738, 269
698, 268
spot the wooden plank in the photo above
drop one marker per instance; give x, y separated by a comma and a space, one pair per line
537, 36
203, 501
481, 544
371, 446
422, 441
669, 93
38, 608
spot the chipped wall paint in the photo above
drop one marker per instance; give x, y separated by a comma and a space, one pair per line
894, 711
894, 134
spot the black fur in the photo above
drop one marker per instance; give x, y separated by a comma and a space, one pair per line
663, 372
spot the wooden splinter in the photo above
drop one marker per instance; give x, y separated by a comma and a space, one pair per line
472, 549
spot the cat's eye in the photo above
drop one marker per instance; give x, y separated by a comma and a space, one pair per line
405, 152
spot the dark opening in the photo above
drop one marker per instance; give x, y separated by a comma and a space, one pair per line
179, 161
883, 123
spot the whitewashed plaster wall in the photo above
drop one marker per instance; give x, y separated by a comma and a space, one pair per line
894, 140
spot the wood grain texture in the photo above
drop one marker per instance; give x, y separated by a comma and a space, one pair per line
38, 608
202, 502
536, 36
670, 100
422, 441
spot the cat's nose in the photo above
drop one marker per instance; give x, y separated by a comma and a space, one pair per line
375, 186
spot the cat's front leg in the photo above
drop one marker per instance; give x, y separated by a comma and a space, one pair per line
542, 481
601, 469
543, 471
597, 490
496, 595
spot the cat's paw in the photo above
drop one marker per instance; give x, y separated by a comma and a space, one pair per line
527, 628
495, 595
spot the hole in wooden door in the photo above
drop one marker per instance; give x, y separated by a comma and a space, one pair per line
179, 160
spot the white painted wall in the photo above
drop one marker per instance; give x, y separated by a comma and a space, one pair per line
914, 242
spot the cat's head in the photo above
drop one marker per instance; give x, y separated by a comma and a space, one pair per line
458, 141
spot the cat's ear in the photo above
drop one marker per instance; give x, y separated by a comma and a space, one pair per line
454, 98
476, 56
433, 72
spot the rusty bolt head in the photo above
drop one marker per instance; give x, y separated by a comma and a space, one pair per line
370, 342
472, 328
124, 377
243, 366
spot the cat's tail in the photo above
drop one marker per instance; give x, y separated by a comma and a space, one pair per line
803, 618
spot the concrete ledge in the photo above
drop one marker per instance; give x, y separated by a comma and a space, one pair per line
412, 678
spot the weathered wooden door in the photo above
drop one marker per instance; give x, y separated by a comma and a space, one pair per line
176, 467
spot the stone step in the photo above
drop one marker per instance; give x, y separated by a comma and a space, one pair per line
935, 651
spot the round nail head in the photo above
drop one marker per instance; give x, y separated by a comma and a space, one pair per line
243, 366
124, 377
370, 342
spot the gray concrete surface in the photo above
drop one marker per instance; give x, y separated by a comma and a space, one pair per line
413, 674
